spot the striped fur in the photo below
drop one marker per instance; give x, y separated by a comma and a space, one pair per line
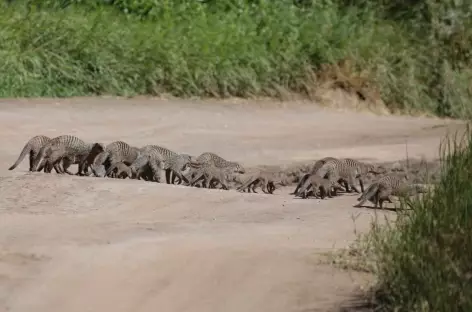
207, 162
159, 159
70, 156
266, 180
211, 159
140, 169
382, 189
64, 146
317, 183
212, 176
347, 170
113, 153
361, 169
318, 164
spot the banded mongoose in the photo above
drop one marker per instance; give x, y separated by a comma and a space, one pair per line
363, 170
266, 180
79, 155
318, 164
211, 176
317, 183
163, 159
114, 152
211, 159
32, 148
41, 161
177, 165
336, 170
382, 189
71, 146
347, 170
119, 170
71, 160
140, 169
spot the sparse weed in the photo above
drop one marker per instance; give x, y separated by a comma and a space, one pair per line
423, 259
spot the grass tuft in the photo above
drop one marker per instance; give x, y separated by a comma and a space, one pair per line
424, 258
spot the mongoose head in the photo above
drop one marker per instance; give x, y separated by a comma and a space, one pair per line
133, 171
375, 171
99, 171
337, 186
139, 163
183, 162
379, 169
97, 148
237, 168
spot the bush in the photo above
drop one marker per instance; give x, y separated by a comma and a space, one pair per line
425, 259
234, 48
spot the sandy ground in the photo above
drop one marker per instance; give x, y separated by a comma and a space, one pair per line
90, 244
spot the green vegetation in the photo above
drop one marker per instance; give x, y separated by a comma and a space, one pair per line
415, 56
423, 260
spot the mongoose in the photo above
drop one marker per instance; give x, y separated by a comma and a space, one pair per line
318, 183
382, 189
214, 160
266, 180
78, 155
114, 152
347, 170
362, 171
172, 163
318, 164
211, 176
69, 145
140, 169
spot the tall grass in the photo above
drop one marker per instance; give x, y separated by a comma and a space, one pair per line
227, 48
425, 259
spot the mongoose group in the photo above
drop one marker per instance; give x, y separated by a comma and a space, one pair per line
121, 160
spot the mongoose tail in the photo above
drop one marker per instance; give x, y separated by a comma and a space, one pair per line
32, 148
26, 150
368, 194
300, 184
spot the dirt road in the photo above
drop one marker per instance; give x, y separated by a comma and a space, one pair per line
90, 244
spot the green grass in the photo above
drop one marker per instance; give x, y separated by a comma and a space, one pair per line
424, 259
229, 48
